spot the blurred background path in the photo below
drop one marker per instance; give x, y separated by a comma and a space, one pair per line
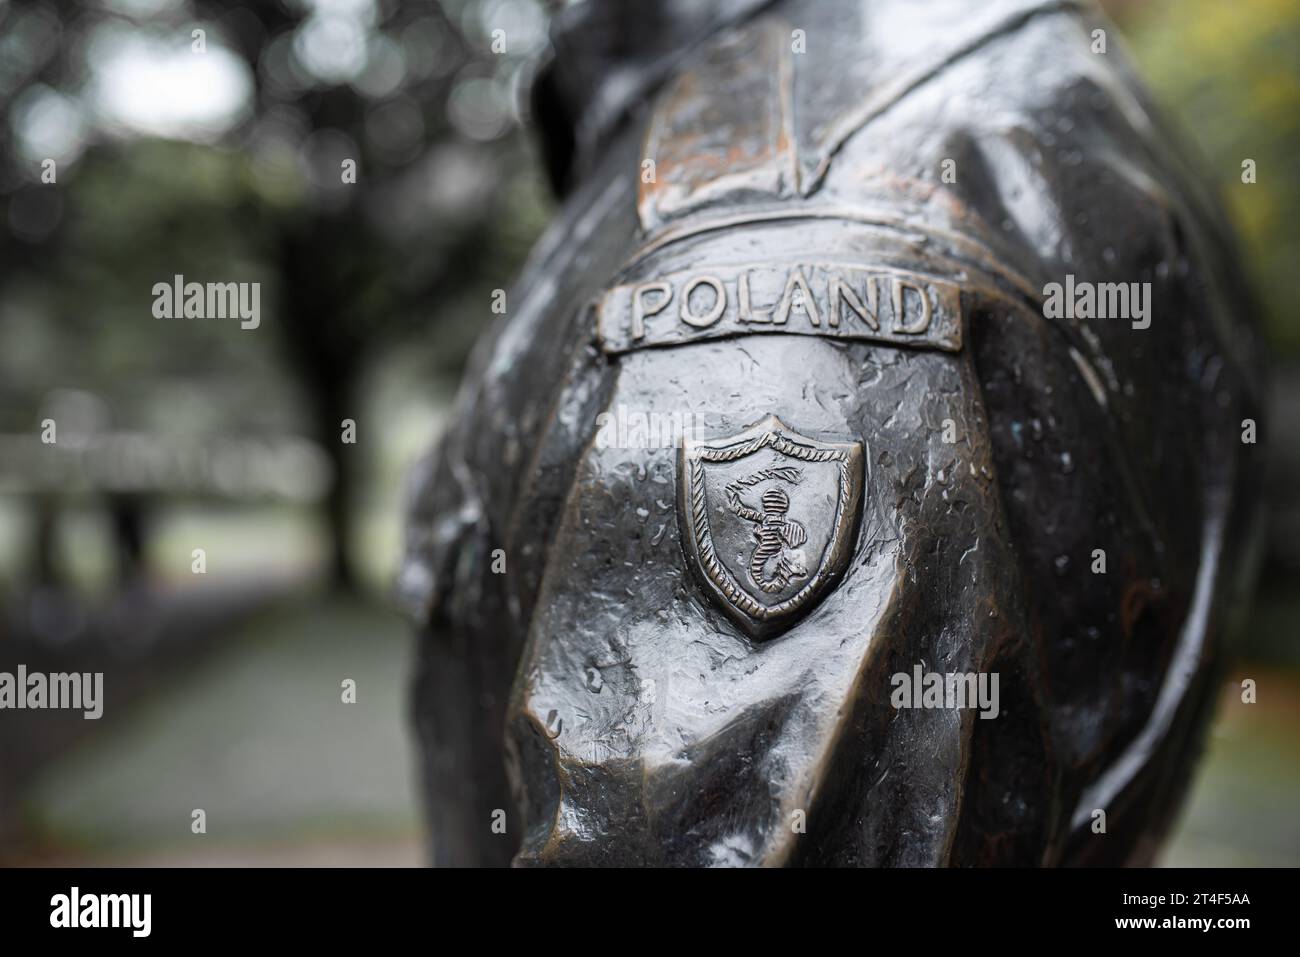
292, 776
256, 735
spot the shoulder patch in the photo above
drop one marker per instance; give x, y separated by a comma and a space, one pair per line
768, 519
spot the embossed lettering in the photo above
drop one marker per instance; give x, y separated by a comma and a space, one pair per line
900, 309
917, 310
747, 314
639, 311
719, 304
795, 281
841, 291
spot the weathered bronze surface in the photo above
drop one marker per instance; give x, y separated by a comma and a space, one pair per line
786, 409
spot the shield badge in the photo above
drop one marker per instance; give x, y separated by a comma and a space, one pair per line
768, 519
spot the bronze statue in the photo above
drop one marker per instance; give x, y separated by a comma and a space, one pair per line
859, 478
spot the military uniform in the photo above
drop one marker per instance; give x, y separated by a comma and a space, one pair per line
937, 274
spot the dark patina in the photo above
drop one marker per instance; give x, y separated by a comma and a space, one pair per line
783, 413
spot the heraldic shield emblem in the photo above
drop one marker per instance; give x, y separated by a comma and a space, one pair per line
768, 519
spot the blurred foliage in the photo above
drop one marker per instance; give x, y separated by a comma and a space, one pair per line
229, 163
391, 277
1230, 74
131, 212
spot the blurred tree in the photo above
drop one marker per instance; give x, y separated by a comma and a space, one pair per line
387, 99
372, 177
